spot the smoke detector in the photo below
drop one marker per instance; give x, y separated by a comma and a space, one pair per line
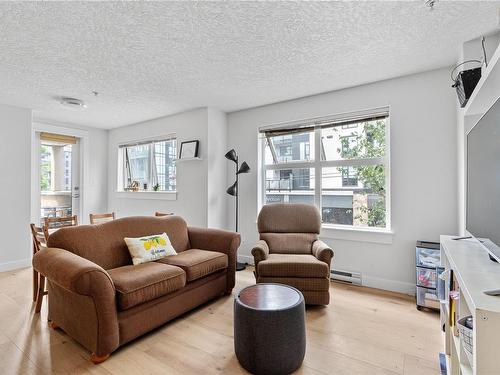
72, 103
431, 3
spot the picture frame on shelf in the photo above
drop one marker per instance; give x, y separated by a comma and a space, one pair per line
189, 149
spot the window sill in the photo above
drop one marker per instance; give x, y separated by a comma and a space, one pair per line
160, 195
382, 236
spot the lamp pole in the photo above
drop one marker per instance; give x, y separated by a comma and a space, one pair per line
237, 193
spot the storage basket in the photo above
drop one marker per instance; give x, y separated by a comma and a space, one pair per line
466, 338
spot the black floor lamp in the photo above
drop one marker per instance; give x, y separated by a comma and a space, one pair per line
233, 190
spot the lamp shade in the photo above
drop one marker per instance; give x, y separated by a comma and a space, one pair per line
244, 168
231, 155
233, 189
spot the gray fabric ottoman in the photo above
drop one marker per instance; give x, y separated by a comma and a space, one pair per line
270, 329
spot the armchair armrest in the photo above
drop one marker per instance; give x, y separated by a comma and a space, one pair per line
219, 240
322, 252
260, 252
83, 280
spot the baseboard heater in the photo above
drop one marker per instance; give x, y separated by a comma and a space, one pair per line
348, 277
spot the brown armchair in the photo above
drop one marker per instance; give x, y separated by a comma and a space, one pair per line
289, 251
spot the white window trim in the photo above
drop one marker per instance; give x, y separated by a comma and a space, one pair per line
142, 194
344, 232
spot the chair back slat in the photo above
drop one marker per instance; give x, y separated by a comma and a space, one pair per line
59, 222
159, 214
101, 218
38, 237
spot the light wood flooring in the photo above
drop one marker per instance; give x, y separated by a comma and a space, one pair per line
363, 331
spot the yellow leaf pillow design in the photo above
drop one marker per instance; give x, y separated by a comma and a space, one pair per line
149, 248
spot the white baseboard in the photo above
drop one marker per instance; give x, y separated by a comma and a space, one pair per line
14, 265
368, 281
391, 285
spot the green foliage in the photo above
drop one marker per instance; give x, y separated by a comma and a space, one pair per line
45, 169
370, 143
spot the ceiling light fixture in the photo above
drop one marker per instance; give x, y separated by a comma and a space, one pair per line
72, 103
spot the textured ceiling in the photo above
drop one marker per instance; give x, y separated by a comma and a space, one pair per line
148, 60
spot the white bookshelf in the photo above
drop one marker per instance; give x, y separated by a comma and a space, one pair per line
474, 272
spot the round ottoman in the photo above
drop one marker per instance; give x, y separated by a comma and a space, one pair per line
270, 328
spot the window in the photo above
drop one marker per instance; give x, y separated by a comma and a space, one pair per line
55, 167
341, 166
148, 166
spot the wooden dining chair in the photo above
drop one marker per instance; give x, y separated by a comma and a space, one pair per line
39, 240
101, 218
54, 223
163, 214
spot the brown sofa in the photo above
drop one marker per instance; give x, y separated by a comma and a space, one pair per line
289, 251
100, 299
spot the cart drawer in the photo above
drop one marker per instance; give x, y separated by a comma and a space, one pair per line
427, 277
427, 297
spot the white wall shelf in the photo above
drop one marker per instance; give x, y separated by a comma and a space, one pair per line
487, 90
188, 159
474, 272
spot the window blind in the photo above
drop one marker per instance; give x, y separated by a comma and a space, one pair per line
50, 137
310, 125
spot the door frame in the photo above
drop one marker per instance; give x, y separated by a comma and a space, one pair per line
39, 126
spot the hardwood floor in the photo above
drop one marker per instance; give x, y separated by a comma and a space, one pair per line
363, 331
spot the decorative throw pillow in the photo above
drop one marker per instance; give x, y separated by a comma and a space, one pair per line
149, 248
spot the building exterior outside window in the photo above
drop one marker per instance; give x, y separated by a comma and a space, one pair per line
351, 160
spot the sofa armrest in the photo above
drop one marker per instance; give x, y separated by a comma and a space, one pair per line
223, 241
260, 252
83, 280
322, 252
72, 272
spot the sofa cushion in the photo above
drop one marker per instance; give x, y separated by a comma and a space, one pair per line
292, 265
138, 284
197, 263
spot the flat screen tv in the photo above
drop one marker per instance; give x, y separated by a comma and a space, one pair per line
483, 181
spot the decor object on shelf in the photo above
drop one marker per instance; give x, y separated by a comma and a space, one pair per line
269, 328
102, 301
156, 187
134, 186
233, 190
290, 252
189, 149
466, 81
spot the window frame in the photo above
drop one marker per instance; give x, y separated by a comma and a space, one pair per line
318, 164
121, 165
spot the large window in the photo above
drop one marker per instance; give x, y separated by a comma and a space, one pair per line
148, 166
341, 166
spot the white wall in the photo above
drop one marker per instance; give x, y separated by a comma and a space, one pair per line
423, 170
97, 189
15, 156
217, 164
191, 202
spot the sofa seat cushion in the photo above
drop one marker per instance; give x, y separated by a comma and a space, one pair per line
292, 265
144, 282
197, 263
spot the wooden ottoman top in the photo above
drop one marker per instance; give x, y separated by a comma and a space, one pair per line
268, 296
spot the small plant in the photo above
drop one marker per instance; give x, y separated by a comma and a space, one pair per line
156, 187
